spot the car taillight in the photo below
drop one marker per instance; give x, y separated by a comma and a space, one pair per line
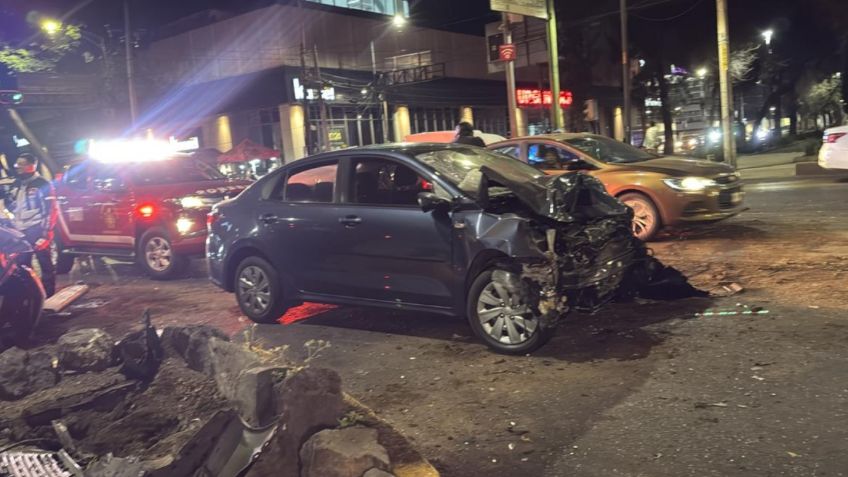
211, 218
832, 138
146, 210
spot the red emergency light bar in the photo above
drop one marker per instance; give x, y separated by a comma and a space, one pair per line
538, 97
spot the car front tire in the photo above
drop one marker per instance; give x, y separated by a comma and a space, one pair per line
503, 320
157, 257
646, 216
258, 291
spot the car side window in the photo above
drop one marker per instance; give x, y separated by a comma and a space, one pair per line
513, 151
313, 184
378, 181
107, 178
77, 176
543, 156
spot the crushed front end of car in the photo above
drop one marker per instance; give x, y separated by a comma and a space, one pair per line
575, 249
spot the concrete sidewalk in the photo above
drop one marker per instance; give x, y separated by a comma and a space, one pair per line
782, 166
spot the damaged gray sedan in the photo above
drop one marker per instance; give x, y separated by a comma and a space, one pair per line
447, 229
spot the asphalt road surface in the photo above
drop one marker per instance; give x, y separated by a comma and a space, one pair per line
749, 384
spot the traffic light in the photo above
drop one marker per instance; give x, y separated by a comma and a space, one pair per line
590, 110
11, 97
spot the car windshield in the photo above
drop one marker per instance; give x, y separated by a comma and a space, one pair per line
461, 167
609, 150
173, 171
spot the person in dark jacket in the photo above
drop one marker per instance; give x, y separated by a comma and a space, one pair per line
465, 135
32, 201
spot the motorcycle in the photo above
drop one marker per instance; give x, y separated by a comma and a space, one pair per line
21, 292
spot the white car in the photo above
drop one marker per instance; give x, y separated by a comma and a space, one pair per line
834, 151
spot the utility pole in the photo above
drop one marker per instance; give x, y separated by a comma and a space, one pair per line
323, 130
625, 73
553, 55
726, 86
514, 127
379, 93
130, 73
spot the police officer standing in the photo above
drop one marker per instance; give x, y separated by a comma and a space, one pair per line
32, 201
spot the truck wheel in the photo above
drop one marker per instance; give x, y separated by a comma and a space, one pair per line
157, 257
64, 261
258, 291
503, 320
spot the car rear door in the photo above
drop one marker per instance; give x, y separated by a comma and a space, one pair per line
298, 225
111, 207
391, 250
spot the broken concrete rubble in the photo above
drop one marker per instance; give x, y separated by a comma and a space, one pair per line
348, 452
307, 401
87, 349
179, 421
22, 372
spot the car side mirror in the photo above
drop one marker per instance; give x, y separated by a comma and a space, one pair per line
429, 201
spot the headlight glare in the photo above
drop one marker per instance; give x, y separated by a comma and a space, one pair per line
690, 184
191, 202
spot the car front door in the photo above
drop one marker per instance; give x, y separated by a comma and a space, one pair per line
392, 250
298, 224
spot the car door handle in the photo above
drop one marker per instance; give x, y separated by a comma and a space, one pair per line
269, 219
350, 220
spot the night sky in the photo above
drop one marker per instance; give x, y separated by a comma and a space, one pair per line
688, 26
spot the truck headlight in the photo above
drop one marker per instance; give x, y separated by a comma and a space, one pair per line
191, 202
689, 184
184, 225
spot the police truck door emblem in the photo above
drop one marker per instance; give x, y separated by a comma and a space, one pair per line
110, 220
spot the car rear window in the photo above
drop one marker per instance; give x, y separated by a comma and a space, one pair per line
316, 184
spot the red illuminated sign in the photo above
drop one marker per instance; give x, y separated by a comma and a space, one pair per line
537, 97
507, 52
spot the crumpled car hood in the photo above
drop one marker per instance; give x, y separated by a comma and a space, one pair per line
564, 198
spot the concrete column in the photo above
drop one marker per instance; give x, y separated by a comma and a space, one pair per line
466, 114
292, 132
217, 134
401, 122
618, 122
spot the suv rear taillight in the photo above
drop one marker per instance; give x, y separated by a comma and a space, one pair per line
146, 211
832, 138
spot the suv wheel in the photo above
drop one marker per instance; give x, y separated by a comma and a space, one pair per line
258, 291
503, 319
646, 218
157, 257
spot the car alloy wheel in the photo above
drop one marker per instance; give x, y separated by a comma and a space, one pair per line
254, 289
504, 316
158, 254
645, 216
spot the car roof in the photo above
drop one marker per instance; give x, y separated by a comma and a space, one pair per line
409, 149
556, 137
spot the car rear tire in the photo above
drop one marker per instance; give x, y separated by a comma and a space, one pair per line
502, 320
258, 291
157, 257
646, 216
64, 261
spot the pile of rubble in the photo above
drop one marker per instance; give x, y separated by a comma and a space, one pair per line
185, 401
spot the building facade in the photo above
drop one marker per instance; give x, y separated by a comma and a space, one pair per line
266, 75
